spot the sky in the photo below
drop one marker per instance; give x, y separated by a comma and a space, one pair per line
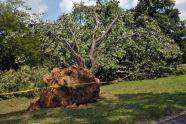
54, 8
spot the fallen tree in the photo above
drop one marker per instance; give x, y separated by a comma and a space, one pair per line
73, 85
98, 38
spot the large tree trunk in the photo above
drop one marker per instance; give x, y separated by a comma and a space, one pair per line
69, 86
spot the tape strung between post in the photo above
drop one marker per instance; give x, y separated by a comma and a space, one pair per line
30, 90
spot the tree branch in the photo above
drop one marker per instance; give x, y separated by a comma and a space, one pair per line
94, 40
91, 53
108, 30
123, 37
75, 40
76, 53
78, 56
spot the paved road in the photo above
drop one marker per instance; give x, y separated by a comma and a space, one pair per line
176, 119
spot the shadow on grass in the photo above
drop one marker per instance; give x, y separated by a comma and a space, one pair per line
124, 108
13, 113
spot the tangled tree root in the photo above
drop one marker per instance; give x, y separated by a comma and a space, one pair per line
67, 87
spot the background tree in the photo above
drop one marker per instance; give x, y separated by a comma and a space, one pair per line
166, 15
18, 44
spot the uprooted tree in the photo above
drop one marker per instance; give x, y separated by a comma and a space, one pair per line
129, 48
80, 36
77, 84
101, 36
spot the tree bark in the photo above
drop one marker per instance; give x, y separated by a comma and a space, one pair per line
98, 40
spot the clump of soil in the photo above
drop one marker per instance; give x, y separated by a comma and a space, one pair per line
70, 86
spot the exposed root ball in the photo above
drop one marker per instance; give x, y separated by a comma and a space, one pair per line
70, 88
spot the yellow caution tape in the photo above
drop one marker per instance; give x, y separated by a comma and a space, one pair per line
30, 90
17, 92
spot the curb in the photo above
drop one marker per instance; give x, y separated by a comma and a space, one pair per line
168, 118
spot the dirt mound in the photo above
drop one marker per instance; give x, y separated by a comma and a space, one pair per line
67, 87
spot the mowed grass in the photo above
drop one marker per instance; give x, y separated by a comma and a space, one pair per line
130, 101
182, 67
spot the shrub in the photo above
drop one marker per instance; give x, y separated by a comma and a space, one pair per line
23, 79
181, 69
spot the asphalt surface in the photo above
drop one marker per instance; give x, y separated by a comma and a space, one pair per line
176, 119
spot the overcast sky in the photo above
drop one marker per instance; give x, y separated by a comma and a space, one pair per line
53, 8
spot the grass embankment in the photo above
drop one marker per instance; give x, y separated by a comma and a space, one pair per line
130, 101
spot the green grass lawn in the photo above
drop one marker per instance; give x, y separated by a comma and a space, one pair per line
130, 101
182, 67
